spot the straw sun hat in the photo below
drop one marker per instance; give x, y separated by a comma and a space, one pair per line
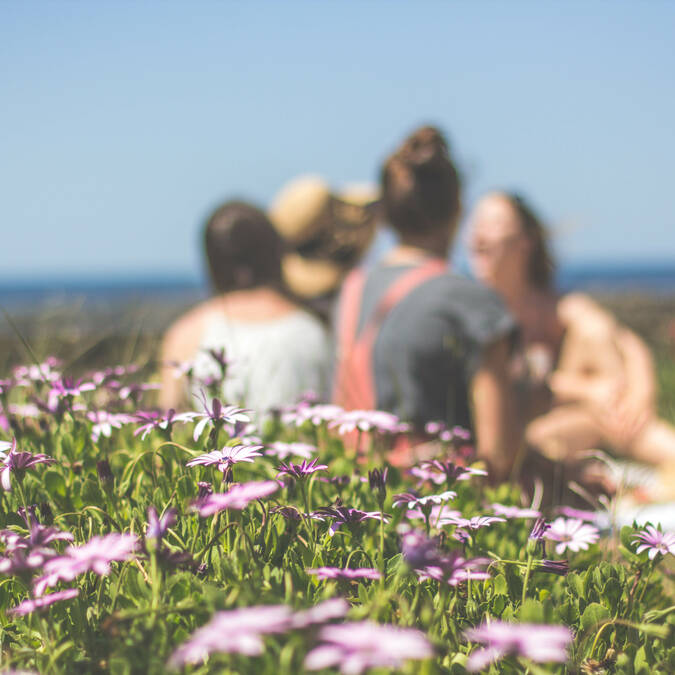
326, 232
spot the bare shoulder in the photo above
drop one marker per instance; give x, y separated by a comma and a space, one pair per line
182, 337
580, 313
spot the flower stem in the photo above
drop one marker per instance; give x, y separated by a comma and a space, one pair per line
526, 580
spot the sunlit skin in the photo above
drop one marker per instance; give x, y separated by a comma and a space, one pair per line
599, 372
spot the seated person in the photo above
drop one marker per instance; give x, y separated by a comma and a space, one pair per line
277, 350
589, 380
415, 339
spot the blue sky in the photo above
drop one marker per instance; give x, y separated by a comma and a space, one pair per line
124, 123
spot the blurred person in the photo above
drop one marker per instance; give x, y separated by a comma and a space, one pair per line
326, 233
587, 381
275, 350
415, 339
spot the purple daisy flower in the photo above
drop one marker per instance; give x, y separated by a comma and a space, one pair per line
341, 515
475, 523
300, 471
237, 497
43, 372
580, 514
314, 414
158, 527
411, 501
95, 556
238, 631
284, 450
441, 514
345, 573
67, 388
104, 422
559, 567
418, 550
155, 420
454, 569
572, 534
216, 414
226, 458
18, 462
538, 643
134, 391
356, 647
366, 420
514, 511
539, 529
655, 542
32, 604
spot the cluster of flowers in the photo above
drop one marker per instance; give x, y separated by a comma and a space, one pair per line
442, 553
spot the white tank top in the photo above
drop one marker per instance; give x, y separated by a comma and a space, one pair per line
272, 363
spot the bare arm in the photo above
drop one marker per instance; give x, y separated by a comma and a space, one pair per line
499, 435
179, 345
639, 366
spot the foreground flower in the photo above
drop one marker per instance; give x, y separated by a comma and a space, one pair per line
538, 643
18, 462
655, 541
299, 471
236, 631
283, 450
32, 604
345, 573
356, 647
572, 534
226, 458
325, 611
418, 550
95, 556
237, 497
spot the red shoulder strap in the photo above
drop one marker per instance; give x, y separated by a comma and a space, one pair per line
354, 386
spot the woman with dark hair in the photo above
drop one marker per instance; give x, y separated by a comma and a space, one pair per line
412, 337
590, 380
276, 351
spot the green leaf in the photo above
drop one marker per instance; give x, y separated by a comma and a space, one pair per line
611, 593
531, 611
594, 615
575, 584
626, 536
54, 483
500, 586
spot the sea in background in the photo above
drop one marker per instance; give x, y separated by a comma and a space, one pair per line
28, 296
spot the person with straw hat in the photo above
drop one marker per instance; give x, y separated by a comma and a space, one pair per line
326, 233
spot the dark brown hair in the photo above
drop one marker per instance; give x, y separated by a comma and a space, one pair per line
243, 250
541, 266
420, 184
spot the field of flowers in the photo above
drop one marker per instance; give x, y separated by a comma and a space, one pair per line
138, 541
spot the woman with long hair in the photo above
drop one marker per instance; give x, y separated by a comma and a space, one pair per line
588, 379
275, 350
412, 337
